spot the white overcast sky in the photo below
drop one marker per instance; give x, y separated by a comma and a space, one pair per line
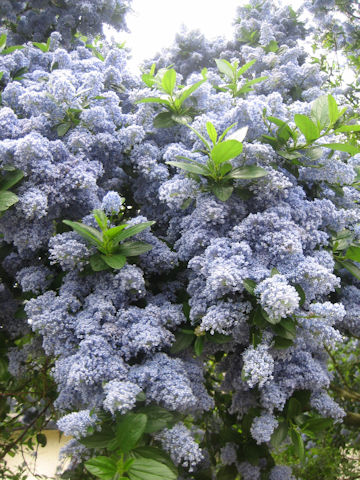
154, 23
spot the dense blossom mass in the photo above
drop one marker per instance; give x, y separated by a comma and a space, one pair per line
245, 290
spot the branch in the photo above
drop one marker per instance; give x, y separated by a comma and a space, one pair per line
15, 442
346, 393
352, 419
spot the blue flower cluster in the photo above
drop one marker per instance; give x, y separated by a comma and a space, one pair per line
72, 126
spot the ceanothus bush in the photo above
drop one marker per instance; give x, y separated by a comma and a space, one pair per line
207, 333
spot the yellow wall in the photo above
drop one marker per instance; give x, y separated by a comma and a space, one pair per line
47, 459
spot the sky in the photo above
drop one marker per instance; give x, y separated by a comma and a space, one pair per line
154, 23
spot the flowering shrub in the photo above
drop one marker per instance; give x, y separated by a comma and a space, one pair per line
199, 347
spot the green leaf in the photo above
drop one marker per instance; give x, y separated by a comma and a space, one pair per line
97, 440
190, 167
3, 38
63, 128
101, 219
89, 233
129, 430
226, 131
239, 134
316, 425
97, 263
222, 192
245, 67
211, 132
188, 91
279, 435
226, 68
298, 444
320, 112
12, 49
182, 341
282, 343
162, 101
348, 128
168, 81
102, 467
134, 248
224, 151
154, 454
116, 261
353, 269
353, 253
41, 439
7, 199
333, 109
247, 172
249, 285
293, 408
164, 120
158, 418
307, 127
44, 47
149, 469
301, 293
10, 179
114, 231
218, 338
229, 472
131, 231
199, 345
342, 147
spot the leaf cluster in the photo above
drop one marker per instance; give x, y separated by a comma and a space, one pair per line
218, 171
110, 242
7, 181
325, 119
173, 97
232, 74
124, 444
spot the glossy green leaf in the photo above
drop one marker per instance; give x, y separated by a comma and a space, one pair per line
190, 167
224, 151
97, 263
3, 39
282, 343
63, 128
186, 92
298, 444
222, 192
10, 179
333, 109
134, 248
116, 261
87, 232
225, 67
245, 67
164, 120
320, 112
249, 285
169, 81
199, 345
211, 132
101, 219
41, 439
247, 172
342, 147
149, 469
158, 418
316, 425
239, 134
218, 338
279, 435
114, 231
131, 231
222, 136
182, 341
102, 467
307, 127
7, 199
98, 440
293, 408
154, 454
162, 101
353, 269
129, 430
348, 128
229, 472
225, 168
353, 253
